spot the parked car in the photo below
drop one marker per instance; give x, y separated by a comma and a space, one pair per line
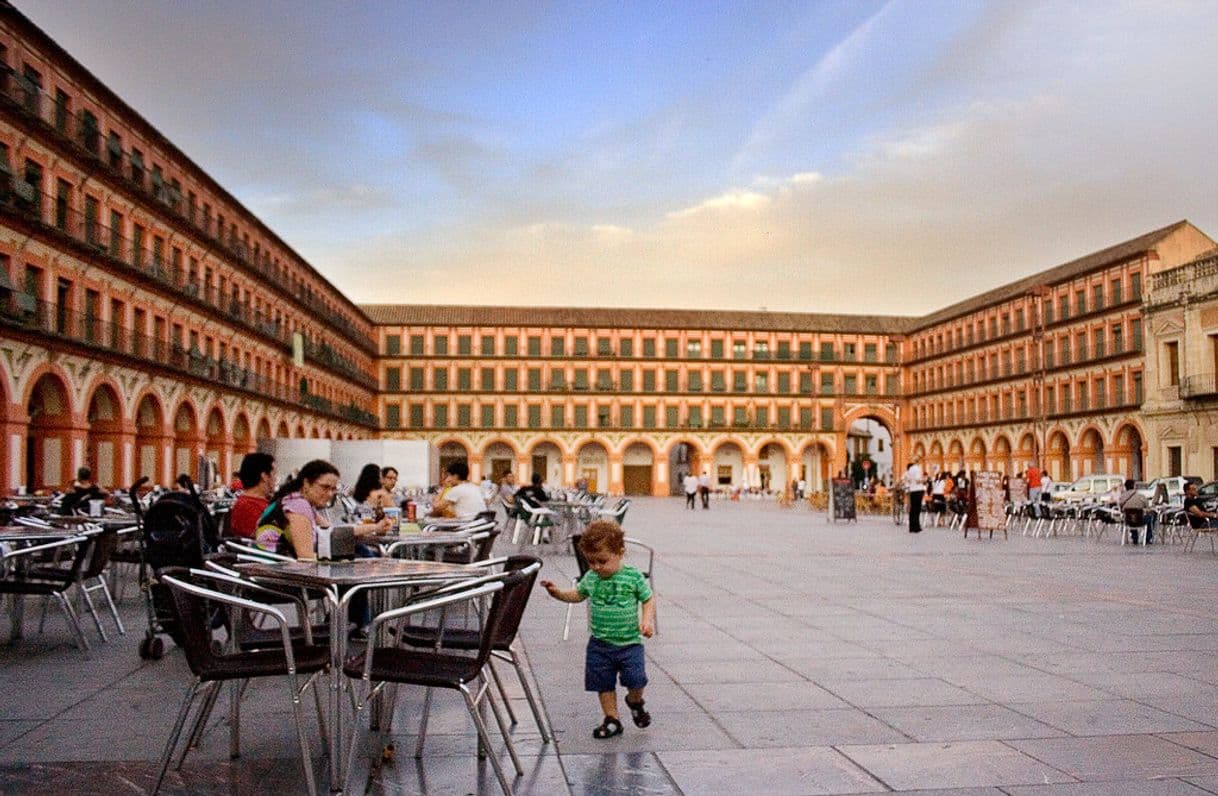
1173, 488
1091, 487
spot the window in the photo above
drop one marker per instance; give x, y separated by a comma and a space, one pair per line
826, 384
892, 385
581, 416
649, 381
488, 345
649, 346
62, 190
671, 381
464, 380
1171, 363
1175, 460
511, 346
718, 418
1083, 403
439, 416
695, 417
1118, 338
393, 379
784, 417
805, 350
581, 348
534, 346
1050, 399
558, 347
850, 384
784, 349
626, 416
672, 417
695, 381
488, 416
626, 381
1063, 307
740, 416
137, 167
416, 379
439, 379
534, 415
826, 352
849, 352
740, 381
558, 416
511, 416
784, 383
581, 378
1097, 297
1136, 325
870, 352
1019, 320
739, 349
511, 380
558, 379
604, 379
1135, 286
1064, 349
1080, 301
439, 344
649, 417
716, 349
761, 383
416, 344
626, 347
416, 416
872, 384
534, 377
464, 416
1118, 389
604, 347
761, 351
488, 379
1114, 288
693, 349
393, 344
671, 346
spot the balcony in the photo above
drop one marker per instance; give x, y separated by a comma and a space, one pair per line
22, 312
1199, 385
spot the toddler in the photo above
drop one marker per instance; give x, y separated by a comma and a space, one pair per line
615, 643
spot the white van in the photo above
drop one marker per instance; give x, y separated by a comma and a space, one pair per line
1092, 487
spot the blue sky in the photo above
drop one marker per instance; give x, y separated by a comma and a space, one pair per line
867, 156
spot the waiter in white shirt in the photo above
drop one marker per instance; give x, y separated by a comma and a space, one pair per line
915, 485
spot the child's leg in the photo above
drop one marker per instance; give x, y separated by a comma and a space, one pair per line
608, 703
634, 677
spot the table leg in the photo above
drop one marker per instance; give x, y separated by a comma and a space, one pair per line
17, 631
338, 627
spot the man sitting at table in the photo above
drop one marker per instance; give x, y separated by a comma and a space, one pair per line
1131, 499
83, 490
257, 476
462, 498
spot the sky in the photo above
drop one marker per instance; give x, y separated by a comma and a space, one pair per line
860, 156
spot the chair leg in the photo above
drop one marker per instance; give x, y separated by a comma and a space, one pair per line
84, 592
200, 726
503, 728
118, 622
173, 736
306, 759
321, 716
507, 703
418, 747
566, 625
73, 621
234, 720
361, 728
480, 725
544, 729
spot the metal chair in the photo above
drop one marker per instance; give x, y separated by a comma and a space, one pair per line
92, 578
435, 668
1135, 522
21, 578
192, 605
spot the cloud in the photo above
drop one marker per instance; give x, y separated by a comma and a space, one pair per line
733, 200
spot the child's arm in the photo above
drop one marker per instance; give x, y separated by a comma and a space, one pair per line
565, 595
647, 625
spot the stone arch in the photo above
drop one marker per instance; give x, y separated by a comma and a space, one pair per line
1091, 451
499, 456
935, 460
729, 469
976, 454
885, 444
1129, 450
955, 455
314, 433
686, 455
51, 432
452, 451
592, 464
1002, 455
638, 467
545, 456
151, 439
815, 461
264, 429
187, 441
104, 437
1057, 457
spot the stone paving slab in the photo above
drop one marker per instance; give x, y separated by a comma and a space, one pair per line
952, 765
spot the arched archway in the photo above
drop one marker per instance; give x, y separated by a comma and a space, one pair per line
869, 438
219, 450
1001, 459
1091, 452
499, 459
1127, 452
150, 440
815, 460
592, 465
1027, 452
546, 458
638, 461
283, 432
684, 456
955, 456
1057, 459
48, 462
186, 441
104, 440
264, 429
728, 467
976, 455
300, 431
935, 460
452, 452
772, 467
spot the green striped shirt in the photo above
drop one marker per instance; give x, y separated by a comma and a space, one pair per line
614, 604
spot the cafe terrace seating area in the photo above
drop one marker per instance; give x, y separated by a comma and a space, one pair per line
794, 655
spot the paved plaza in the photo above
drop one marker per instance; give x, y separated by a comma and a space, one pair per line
794, 657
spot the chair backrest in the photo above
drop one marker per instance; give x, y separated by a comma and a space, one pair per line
101, 548
1134, 516
194, 617
486, 545
514, 598
581, 560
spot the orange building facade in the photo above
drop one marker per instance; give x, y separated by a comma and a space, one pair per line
147, 319
149, 323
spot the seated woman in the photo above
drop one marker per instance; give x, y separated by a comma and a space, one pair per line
289, 524
370, 494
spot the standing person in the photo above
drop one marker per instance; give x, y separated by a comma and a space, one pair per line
916, 488
257, 475
690, 484
488, 489
1034, 483
1046, 487
704, 488
463, 498
802, 490
507, 491
615, 644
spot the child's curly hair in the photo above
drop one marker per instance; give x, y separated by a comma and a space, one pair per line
603, 535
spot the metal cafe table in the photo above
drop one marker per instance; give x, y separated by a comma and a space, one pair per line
340, 581
22, 536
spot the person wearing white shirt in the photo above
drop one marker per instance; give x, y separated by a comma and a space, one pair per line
461, 497
915, 485
704, 489
690, 484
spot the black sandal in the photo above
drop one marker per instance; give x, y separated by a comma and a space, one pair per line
609, 728
641, 717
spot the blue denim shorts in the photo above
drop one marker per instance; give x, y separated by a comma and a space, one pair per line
604, 662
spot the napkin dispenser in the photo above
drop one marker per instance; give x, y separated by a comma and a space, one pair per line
336, 543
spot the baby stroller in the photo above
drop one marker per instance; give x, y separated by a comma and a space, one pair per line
176, 531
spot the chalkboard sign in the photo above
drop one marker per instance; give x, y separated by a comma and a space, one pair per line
843, 507
1019, 490
989, 503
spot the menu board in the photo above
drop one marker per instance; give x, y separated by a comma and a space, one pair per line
843, 500
989, 501
1019, 490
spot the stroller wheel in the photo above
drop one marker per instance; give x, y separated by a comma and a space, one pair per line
152, 648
